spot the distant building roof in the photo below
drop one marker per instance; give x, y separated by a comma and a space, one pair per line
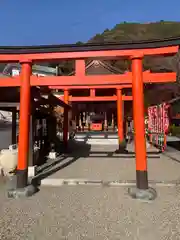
45, 70
101, 67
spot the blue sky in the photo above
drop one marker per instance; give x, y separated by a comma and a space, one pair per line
37, 22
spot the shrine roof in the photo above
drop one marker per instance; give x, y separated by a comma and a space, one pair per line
103, 65
122, 45
35, 68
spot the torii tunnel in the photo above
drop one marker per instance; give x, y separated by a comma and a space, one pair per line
135, 79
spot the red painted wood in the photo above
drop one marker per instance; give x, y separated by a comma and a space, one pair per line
68, 81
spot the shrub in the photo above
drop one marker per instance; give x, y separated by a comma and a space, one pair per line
174, 130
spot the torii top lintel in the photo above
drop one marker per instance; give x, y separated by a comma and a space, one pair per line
167, 46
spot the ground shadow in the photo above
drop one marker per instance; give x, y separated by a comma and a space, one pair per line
75, 151
5, 125
174, 144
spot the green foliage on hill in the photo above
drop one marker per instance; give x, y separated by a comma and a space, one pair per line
135, 31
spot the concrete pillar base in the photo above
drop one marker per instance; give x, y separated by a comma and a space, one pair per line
14, 192
121, 150
52, 155
28, 191
122, 147
142, 194
32, 170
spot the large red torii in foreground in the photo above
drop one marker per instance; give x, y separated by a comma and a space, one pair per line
133, 51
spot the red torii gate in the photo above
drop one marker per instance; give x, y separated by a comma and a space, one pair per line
134, 51
148, 77
119, 98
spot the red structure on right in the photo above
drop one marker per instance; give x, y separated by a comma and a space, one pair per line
158, 125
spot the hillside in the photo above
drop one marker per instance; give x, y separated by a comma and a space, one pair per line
135, 31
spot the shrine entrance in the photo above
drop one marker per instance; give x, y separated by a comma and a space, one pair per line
85, 111
100, 100
135, 78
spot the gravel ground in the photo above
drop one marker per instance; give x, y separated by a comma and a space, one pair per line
86, 213
92, 212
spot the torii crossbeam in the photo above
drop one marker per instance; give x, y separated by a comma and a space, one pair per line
77, 82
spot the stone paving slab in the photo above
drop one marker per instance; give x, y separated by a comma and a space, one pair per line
90, 213
172, 153
172, 138
161, 169
100, 164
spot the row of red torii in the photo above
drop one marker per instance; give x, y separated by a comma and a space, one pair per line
135, 79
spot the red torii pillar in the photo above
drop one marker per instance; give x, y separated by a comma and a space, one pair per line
66, 120
120, 120
92, 92
142, 190
22, 188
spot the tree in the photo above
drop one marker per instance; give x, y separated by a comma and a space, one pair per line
79, 43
